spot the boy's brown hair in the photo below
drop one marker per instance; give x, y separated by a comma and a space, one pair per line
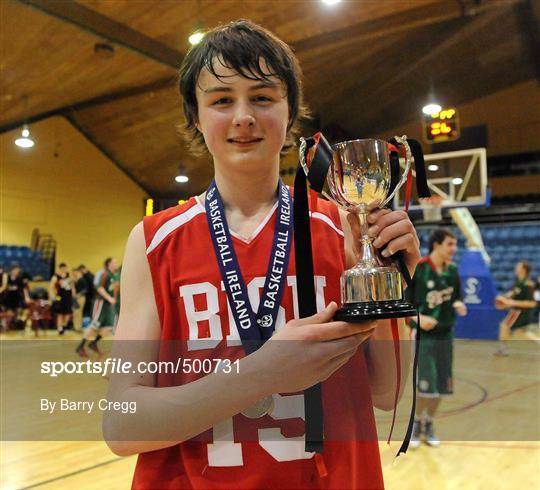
438, 236
241, 45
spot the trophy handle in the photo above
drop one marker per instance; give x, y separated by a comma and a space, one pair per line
408, 159
320, 184
302, 155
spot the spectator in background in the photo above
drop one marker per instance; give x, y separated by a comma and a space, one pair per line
97, 277
117, 297
39, 308
436, 289
62, 291
521, 305
14, 295
26, 277
78, 299
537, 299
3, 282
89, 295
3, 290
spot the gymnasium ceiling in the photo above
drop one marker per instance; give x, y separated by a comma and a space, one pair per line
368, 66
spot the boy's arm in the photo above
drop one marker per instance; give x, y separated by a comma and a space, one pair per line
101, 288
171, 414
525, 304
457, 298
394, 231
166, 416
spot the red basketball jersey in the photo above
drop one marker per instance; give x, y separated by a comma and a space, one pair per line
253, 453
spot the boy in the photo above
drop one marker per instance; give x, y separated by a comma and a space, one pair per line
62, 291
437, 292
242, 99
520, 301
104, 312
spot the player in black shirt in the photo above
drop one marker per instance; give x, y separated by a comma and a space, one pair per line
62, 293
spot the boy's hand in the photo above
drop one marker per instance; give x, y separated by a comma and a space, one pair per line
502, 302
308, 350
427, 322
392, 231
460, 307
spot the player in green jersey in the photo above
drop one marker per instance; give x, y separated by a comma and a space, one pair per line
104, 313
520, 303
437, 292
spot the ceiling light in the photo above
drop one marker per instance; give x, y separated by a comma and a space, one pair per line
25, 141
181, 176
457, 181
431, 108
196, 37
433, 167
331, 2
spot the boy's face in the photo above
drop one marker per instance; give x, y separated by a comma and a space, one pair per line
447, 249
520, 271
243, 121
113, 265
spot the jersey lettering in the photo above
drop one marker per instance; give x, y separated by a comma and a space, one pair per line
436, 298
225, 452
212, 316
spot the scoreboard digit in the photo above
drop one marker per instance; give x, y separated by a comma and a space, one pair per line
441, 126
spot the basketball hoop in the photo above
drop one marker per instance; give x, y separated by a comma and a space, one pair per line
432, 208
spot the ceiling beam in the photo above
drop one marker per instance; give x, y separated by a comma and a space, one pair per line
426, 14
104, 27
474, 25
387, 89
161, 84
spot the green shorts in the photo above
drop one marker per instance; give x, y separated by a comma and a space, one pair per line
103, 314
435, 365
517, 319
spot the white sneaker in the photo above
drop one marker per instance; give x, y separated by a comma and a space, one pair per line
416, 434
431, 438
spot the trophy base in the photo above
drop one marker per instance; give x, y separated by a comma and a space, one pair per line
374, 310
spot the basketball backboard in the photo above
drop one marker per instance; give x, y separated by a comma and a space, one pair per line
459, 178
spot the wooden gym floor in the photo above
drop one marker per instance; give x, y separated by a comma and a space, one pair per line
495, 408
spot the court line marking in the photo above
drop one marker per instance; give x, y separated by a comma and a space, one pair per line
483, 346
484, 399
73, 473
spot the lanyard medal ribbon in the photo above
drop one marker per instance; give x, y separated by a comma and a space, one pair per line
253, 328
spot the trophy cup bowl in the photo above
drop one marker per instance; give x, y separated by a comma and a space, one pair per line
359, 180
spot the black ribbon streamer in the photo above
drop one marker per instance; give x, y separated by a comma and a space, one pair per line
423, 191
419, 166
313, 408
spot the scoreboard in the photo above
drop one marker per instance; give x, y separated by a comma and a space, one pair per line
441, 126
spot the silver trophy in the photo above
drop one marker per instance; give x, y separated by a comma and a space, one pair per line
358, 176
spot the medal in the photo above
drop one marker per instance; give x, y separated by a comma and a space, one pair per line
253, 328
263, 407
